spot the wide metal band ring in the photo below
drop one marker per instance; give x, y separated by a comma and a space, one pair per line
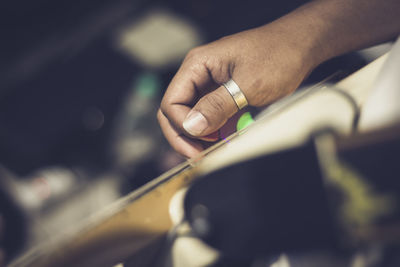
236, 93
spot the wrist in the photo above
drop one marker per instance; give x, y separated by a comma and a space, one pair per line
325, 29
305, 32
299, 42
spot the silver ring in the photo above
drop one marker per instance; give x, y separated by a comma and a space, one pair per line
236, 93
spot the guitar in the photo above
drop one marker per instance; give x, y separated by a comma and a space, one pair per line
136, 226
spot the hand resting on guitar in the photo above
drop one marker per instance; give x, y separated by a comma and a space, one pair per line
266, 63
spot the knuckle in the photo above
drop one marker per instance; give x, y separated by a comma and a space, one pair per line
194, 52
164, 105
164, 111
159, 114
196, 57
196, 68
195, 63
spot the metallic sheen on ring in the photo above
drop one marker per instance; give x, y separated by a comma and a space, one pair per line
236, 93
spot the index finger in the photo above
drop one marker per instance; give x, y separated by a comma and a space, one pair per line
192, 80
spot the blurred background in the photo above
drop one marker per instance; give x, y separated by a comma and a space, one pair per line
80, 85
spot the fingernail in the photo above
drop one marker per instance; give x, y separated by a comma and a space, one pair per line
195, 123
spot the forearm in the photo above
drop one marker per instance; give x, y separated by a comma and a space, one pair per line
328, 28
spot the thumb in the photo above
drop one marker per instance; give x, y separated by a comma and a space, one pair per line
210, 113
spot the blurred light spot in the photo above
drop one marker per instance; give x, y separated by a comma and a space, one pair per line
199, 211
147, 85
283, 261
93, 119
41, 188
158, 39
200, 220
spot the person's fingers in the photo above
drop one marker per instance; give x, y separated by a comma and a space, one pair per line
191, 82
210, 113
181, 143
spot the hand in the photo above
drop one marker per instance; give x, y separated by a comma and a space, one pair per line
267, 63
264, 62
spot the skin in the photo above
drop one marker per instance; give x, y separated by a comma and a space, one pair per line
267, 63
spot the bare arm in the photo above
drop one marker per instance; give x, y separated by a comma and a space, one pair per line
332, 27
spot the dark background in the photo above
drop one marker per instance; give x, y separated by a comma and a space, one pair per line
57, 61
63, 85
